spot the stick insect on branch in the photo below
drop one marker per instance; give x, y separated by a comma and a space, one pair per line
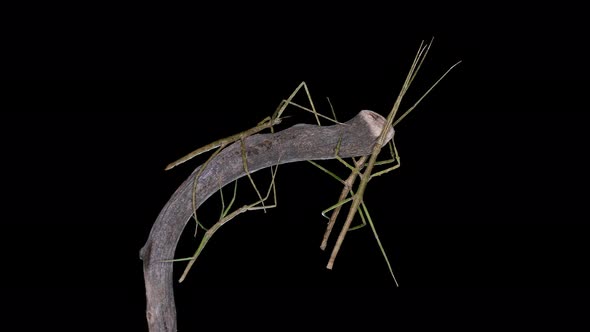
366, 175
366, 163
267, 123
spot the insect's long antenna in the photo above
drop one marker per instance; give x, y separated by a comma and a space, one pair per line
425, 94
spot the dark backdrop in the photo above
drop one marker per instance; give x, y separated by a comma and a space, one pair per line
485, 218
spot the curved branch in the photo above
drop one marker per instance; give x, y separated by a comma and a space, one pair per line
298, 143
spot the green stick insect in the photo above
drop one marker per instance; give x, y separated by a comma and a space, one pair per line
363, 168
357, 198
267, 123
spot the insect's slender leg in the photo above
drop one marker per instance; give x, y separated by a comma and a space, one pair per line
332, 108
348, 183
395, 158
276, 117
289, 101
366, 211
271, 187
315, 113
225, 219
196, 181
391, 152
341, 201
225, 210
245, 164
355, 169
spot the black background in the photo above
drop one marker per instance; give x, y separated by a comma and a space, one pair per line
485, 221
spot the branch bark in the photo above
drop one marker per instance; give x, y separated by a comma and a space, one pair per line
298, 143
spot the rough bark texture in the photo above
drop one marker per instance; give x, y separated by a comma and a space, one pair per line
297, 143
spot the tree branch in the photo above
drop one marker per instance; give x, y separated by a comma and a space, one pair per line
298, 143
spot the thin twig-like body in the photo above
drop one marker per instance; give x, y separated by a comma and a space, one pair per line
221, 143
383, 138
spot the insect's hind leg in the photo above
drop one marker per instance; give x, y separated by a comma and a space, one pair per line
394, 159
289, 101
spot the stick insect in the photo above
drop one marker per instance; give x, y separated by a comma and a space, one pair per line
366, 175
267, 123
